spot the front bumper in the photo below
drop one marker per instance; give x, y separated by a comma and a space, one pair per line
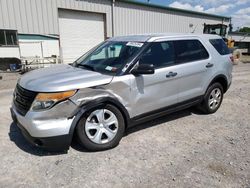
50, 134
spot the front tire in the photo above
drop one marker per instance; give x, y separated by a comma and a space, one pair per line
101, 128
212, 99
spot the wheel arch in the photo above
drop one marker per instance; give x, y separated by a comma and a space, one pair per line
95, 104
222, 79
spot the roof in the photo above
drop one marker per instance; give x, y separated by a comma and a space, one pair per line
174, 9
137, 38
156, 36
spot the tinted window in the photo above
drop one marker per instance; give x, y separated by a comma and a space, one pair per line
160, 54
189, 50
220, 46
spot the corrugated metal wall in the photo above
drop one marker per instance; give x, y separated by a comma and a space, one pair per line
134, 19
41, 16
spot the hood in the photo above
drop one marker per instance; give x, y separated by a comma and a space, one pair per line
62, 78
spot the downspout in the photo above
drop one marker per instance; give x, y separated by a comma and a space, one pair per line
19, 48
112, 15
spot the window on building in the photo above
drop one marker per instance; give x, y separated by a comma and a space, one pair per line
220, 46
2, 38
189, 50
8, 38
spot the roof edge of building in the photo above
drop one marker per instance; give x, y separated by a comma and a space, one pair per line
238, 33
24, 36
174, 9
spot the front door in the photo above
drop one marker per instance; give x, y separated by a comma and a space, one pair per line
152, 92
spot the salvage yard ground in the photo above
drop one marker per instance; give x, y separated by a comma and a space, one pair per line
185, 149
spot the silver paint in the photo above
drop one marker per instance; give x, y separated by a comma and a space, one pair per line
44, 124
62, 78
138, 94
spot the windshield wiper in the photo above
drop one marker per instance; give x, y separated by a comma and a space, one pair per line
86, 66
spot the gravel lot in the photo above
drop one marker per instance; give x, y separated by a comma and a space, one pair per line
185, 149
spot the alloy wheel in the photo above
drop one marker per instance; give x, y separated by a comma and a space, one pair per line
214, 98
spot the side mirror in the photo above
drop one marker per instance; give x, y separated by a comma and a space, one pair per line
143, 69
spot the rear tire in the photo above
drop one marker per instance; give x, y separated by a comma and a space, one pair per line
101, 128
212, 99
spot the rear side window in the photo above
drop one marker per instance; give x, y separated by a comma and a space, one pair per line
189, 50
220, 46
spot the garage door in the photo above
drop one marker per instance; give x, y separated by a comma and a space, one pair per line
79, 32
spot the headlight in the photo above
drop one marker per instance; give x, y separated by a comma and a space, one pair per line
47, 100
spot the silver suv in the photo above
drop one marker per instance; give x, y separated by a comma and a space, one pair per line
120, 83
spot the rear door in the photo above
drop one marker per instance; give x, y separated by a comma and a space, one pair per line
194, 67
153, 92
224, 57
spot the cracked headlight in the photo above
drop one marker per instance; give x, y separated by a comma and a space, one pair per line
47, 100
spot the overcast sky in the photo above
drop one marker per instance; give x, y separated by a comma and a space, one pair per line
239, 10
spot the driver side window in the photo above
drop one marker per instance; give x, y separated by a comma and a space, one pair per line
160, 54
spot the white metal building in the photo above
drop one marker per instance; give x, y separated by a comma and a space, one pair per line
71, 27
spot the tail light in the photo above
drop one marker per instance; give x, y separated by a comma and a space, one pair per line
232, 59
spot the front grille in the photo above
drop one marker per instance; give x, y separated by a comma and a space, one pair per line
23, 99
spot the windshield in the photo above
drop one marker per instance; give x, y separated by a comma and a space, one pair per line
110, 57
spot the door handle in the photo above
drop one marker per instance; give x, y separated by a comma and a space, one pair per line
171, 74
209, 65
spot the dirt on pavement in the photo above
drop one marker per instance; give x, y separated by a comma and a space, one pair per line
8, 80
184, 149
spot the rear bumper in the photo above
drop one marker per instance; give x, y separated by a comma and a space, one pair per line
52, 143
